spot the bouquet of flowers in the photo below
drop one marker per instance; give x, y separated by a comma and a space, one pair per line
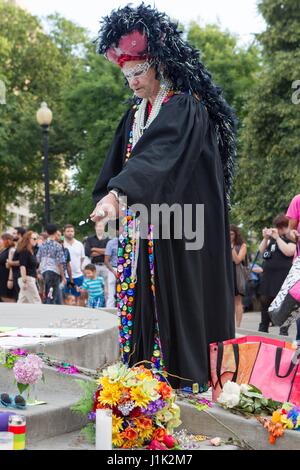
246, 399
144, 412
286, 417
28, 371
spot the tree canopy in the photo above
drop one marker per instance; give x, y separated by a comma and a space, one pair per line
269, 170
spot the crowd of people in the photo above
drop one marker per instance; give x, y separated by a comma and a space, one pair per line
262, 277
53, 267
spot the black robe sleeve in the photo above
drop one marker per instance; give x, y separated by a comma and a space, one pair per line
114, 160
162, 162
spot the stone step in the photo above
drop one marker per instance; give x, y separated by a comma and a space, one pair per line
60, 392
217, 422
92, 351
76, 441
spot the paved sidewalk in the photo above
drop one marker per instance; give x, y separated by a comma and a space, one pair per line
251, 321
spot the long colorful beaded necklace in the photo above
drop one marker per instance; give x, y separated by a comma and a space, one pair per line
126, 279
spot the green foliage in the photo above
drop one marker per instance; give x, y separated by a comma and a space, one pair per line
22, 387
10, 360
283, 19
233, 67
92, 109
35, 67
269, 169
86, 402
89, 433
252, 401
85, 406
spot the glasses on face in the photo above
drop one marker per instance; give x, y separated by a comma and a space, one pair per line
137, 71
34, 238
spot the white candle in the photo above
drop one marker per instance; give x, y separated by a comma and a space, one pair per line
103, 430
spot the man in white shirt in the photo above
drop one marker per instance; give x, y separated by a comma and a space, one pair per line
77, 254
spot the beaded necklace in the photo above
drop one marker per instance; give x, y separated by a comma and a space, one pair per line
139, 116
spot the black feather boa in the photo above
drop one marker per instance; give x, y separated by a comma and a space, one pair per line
182, 66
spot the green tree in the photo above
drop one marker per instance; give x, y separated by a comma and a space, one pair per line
269, 170
35, 67
92, 109
233, 67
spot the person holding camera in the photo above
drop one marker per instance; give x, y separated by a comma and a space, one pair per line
278, 250
239, 259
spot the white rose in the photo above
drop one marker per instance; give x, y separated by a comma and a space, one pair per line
244, 388
229, 401
232, 388
230, 395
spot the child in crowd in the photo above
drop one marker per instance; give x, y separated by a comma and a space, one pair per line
94, 286
70, 300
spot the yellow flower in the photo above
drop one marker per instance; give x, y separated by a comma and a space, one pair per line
143, 376
149, 388
287, 422
140, 398
117, 440
276, 417
130, 444
110, 395
117, 423
145, 433
104, 381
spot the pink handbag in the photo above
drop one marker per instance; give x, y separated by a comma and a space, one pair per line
269, 364
274, 372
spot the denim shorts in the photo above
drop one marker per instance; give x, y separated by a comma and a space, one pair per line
78, 281
96, 302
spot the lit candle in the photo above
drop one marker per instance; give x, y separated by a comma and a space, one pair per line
103, 430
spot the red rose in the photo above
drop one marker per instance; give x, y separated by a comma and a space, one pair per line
135, 413
156, 445
96, 403
169, 441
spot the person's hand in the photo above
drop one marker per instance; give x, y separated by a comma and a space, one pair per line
275, 233
40, 277
266, 233
8, 264
94, 254
64, 280
10, 284
107, 208
294, 235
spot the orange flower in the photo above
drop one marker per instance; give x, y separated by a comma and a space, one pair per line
278, 430
159, 434
165, 390
128, 445
272, 439
143, 423
129, 434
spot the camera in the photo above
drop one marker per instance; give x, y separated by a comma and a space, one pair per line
267, 255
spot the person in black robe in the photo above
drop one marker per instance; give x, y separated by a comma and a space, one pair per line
180, 300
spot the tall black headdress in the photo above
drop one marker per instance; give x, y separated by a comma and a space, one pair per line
143, 32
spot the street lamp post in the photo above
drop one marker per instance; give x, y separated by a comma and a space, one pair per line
44, 118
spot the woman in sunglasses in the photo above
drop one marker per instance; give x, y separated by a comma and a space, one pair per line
28, 266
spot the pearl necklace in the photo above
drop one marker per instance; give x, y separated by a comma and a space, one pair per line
139, 118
